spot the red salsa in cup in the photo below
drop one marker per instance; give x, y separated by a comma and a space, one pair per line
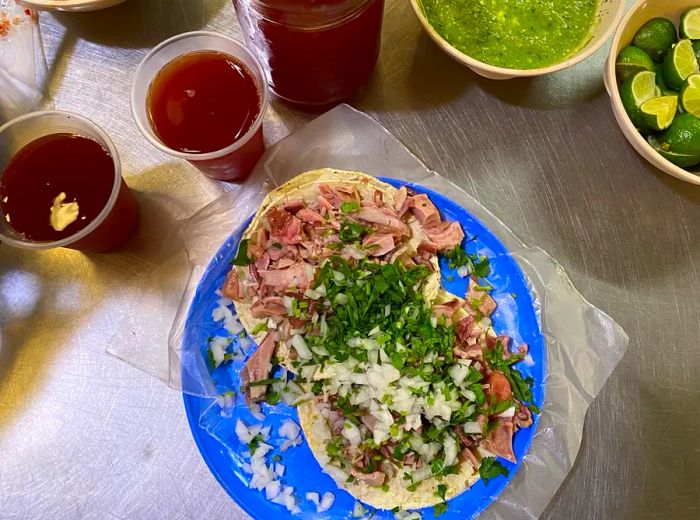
316, 52
58, 185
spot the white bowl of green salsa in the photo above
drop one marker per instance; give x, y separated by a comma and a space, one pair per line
640, 13
504, 39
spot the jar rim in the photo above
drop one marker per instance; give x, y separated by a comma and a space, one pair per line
307, 14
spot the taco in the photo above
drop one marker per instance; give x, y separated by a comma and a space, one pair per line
407, 393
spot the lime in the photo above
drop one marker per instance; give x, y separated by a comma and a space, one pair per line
658, 112
690, 95
680, 63
680, 144
656, 37
679, 159
690, 24
636, 91
630, 61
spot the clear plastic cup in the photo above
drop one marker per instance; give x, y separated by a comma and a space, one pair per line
114, 224
236, 161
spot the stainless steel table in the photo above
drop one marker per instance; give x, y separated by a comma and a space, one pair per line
83, 435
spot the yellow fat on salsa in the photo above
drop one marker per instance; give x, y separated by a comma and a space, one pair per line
515, 34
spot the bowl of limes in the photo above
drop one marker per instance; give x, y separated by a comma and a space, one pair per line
653, 78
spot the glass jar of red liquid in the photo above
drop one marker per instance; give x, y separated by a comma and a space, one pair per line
315, 52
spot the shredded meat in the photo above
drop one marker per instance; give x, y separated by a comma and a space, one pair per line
257, 368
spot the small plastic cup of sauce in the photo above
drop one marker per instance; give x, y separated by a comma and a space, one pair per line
202, 96
61, 185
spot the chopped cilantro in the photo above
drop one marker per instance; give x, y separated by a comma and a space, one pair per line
273, 398
260, 327
385, 488
478, 266
210, 359
349, 207
264, 382
533, 408
439, 469
277, 245
491, 468
253, 444
497, 407
440, 508
352, 231
241, 257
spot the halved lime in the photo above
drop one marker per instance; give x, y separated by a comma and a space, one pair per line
690, 24
680, 144
656, 37
690, 95
631, 60
633, 92
658, 112
679, 159
680, 63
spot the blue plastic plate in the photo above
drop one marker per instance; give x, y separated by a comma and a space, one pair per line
222, 451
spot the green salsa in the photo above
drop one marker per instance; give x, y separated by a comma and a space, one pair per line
516, 34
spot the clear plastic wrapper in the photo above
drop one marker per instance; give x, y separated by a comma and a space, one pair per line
23, 69
583, 344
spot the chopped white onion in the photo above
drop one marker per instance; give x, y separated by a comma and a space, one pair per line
243, 432
290, 443
312, 294
421, 474
289, 429
300, 346
326, 502
272, 489
458, 373
358, 510
352, 433
463, 271
450, 446
314, 498
255, 412
510, 412
472, 427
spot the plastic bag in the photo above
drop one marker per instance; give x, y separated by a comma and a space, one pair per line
583, 344
23, 70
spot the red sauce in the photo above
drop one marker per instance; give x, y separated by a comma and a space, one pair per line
83, 170
312, 58
202, 102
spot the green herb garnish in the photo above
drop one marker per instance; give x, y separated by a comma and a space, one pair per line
491, 468
349, 207
242, 255
260, 327
352, 231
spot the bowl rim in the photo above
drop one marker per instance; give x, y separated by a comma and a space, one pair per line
630, 132
503, 71
64, 5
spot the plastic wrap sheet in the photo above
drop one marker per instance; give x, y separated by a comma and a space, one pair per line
583, 344
23, 69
